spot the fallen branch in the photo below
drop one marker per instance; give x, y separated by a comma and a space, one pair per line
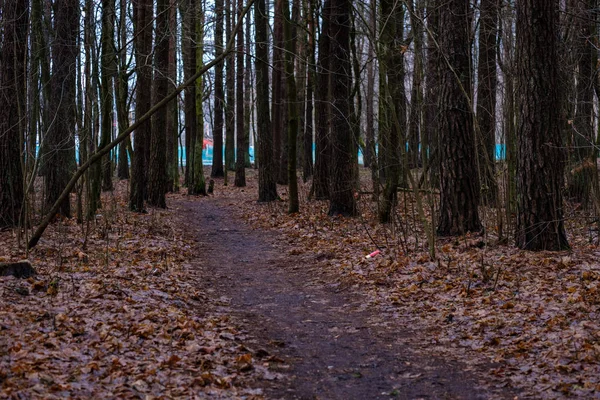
105, 150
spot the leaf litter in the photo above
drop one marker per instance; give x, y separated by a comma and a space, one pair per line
533, 316
115, 309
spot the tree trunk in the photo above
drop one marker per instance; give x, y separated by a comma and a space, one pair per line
370, 156
267, 188
122, 94
60, 160
240, 167
486, 99
13, 75
323, 110
197, 183
278, 106
459, 200
107, 87
292, 108
307, 162
392, 103
217, 165
230, 102
143, 50
248, 85
583, 49
101, 176
173, 108
430, 137
416, 97
540, 224
157, 177
341, 201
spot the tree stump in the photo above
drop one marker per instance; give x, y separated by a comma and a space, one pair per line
20, 269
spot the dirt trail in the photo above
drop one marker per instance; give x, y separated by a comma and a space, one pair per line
333, 345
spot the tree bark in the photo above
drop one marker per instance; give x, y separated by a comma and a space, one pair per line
292, 108
582, 176
197, 183
370, 157
486, 98
230, 89
416, 97
60, 159
267, 187
430, 137
459, 200
323, 110
392, 104
13, 76
341, 201
101, 176
540, 224
173, 108
143, 48
240, 165
217, 165
307, 161
157, 177
122, 94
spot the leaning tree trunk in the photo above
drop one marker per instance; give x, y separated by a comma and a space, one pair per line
459, 200
540, 223
12, 105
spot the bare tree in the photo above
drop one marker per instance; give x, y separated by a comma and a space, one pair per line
341, 200
240, 170
217, 165
60, 156
157, 176
540, 224
267, 187
13, 75
459, 199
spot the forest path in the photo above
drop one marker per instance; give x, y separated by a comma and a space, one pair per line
331, 344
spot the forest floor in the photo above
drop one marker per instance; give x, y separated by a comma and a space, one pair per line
222, 297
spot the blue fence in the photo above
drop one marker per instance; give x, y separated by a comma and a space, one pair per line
207, 154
